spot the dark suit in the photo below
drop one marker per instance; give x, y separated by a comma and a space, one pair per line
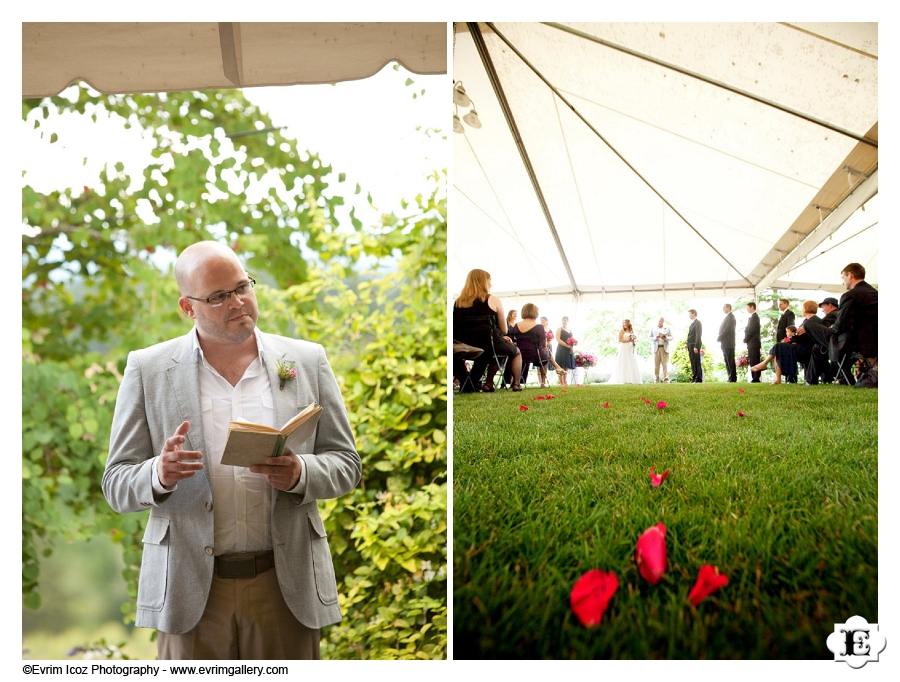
726, 340
811, 349
754, 345
855, 327
786, 320
694, 342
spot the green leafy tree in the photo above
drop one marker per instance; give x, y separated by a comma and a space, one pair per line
97, 283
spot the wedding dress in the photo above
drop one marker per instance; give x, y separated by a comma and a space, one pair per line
626, 371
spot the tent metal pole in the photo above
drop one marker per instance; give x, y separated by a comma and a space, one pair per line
713, 82
615, 151
480, 45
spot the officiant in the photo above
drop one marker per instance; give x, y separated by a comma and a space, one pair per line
659, 341
236, 563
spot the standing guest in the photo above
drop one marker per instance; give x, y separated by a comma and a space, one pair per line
753, 341
786, 319
545, 323
235, 561
565, 356
694, 344
476, 305
727, 342
659, 341
855, 328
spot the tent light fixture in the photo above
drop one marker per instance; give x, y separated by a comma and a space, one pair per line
472, 119
457, 125
460, 98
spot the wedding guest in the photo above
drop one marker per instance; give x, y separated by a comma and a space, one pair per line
694, 344
811, 343
531, 338
829, 306
476, 304
506, 380
659, 341
781, 356
787, 318
565, 355
752, 339
828, 372
855, 328
726, 342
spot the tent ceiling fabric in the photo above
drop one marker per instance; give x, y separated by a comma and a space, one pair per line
154, 57
745, 175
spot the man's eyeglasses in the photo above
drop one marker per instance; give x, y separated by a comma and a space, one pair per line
220, 297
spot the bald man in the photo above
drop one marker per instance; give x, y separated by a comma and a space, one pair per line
235, 563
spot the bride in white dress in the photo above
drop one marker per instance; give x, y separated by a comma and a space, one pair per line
626, 369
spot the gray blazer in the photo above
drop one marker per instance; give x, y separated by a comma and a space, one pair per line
159, 390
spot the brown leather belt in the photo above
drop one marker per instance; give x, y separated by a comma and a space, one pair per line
245, 565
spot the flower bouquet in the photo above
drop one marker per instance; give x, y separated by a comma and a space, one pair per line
585, 359
572, 341
743, 361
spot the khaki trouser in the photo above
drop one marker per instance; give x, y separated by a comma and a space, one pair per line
661, 357
244, 618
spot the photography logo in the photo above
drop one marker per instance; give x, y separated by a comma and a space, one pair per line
856, 642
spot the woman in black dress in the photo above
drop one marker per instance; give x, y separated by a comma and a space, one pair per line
565, 356
531, 338
474, 305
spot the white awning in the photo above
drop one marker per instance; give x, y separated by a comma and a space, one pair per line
154, 57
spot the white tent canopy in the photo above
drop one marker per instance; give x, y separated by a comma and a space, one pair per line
154, 56
665, 157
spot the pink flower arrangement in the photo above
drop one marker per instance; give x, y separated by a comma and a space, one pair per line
585, 359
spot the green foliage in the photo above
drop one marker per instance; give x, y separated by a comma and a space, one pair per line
97, 284
681, 363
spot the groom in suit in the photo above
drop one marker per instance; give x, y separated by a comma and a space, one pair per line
694, 345
235, 562
727, 342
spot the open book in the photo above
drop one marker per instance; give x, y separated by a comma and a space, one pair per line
250, 443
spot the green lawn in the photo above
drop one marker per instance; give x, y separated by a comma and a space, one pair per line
783, 501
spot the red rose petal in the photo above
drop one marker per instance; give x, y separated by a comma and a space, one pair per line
591, 594
741, 391
606, 405
549, 396
661, 405
523, 408
657, 479
539, 397
741, 413
650, 553
708, 581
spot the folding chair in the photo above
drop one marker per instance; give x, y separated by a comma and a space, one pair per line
463, 354
845, 368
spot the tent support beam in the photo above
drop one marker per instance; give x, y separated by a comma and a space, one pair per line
710, 81
865, 191
480, 45
232, 56
615, 151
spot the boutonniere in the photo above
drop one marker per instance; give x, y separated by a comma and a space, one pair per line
287, 371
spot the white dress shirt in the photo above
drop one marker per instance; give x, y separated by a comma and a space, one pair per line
241, 499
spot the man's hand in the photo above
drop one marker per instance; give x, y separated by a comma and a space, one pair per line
174, 463
801, 331
282, 472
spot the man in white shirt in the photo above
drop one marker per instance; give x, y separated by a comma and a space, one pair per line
660, 336
236, 563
